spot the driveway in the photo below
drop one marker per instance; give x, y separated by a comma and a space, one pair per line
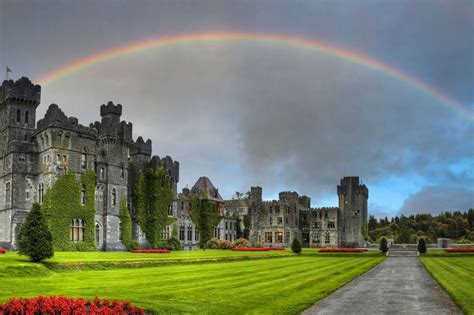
399, 285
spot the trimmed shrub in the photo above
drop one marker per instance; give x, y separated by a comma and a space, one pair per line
422, 245
66, 305
296, 246
226, 244
34, 239
242, 242
383, 245
213, 243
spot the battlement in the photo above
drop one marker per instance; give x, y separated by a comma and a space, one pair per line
141, 147
110, 109
325, 209
171, 167
285, 195
55, 117
22, 90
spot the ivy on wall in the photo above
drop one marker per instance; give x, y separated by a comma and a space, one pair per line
62, 203
153, 195
126, 221
205, 216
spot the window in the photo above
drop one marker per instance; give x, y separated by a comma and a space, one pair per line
268, 237
286, 220
287, 237
26, 117
97, 233
101, 173
181, 233
27, 195
114, 197
280, 220
120, 230
355, 212
83, 195
122, 171
226, 225
7, 192
316, 238
190, 233
40, 193
84, 159
326, 215
165, 232
271, 221
170, 209
196, 234
18, 115
331, 225
316, 225
279, 237
328, 238
76, 230
277, 209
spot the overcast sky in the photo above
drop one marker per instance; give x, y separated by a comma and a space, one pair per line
252, 113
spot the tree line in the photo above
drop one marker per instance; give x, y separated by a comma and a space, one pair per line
457, 226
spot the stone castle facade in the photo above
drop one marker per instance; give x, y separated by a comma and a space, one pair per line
34, 154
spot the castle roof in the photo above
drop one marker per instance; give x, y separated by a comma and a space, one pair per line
204, 185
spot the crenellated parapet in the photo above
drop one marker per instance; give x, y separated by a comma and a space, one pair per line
288, 195
140, 147
55, 117
111, 109
171, 167
21, 90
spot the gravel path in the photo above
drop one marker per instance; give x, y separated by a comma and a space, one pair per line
399, 285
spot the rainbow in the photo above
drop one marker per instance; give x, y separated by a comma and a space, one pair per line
292, 41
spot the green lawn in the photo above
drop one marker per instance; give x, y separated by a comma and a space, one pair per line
455, 274
267, 285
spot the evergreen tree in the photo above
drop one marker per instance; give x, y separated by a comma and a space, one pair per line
383, 245
422, 245
35, 239
296, 246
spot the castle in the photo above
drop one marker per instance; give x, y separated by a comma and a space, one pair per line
34, 154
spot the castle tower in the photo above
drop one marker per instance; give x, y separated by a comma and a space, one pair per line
114, 140
18, 102
352, 211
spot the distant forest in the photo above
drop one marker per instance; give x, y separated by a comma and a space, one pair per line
457, 226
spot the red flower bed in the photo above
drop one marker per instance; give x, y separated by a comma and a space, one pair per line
276, 248
341, 250
65, 305
151, 251
460, 250
2, 250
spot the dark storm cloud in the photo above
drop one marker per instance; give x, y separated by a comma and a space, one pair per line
253, 114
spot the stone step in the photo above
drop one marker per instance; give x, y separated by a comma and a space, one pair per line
401, 253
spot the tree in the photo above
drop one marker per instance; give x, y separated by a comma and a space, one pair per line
296, 246
364, 232
422, 245
153, 197
383, 245
205, 216
173, 242
35, 239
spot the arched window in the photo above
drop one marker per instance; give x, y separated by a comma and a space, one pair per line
114, 197
27, 117
18, 115
83, 195
97, 233
76, 230
122, 171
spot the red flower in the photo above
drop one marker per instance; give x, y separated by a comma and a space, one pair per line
162, 251
2, 250
460, 250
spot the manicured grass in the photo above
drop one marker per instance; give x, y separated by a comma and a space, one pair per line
455, 274
266, 285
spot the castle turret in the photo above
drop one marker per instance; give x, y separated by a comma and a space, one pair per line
353, 211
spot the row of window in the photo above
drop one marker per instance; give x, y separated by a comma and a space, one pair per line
278, 238
185, 231
18, 116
